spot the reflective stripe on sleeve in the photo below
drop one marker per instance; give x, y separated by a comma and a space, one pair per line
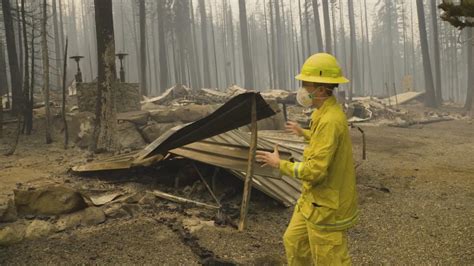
295, 170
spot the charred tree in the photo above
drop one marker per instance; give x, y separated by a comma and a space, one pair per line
15, 77
106, 118
164, 83
205, 46
45, 57
430, 100
26, 76
57, 48
470, 70
247, 60
355, 83
327, 27
143, 58
317, 25
436, 58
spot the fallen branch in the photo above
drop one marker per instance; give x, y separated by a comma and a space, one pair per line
421, 122
177, 199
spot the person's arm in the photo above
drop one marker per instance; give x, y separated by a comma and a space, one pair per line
315, 168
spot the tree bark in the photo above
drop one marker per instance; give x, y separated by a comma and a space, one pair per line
162, 47
327, 27
106, 120
44, 48
470, 70
355, 83
143, 66
26, 76
57, 49
430, 100
437, 62
15, 77
63, 107
247, 60
317, 25
205, 47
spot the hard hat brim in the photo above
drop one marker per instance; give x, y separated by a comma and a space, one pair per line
319, 79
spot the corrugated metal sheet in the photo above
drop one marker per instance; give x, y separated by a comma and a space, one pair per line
230, 151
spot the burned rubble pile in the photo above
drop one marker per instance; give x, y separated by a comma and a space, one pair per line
402, 110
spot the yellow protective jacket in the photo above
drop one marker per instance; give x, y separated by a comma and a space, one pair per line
328, 198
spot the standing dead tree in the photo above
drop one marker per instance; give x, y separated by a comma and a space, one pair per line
105, 116
247, 60
430, 100
44, 48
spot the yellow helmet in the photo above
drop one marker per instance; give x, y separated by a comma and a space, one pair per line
322, 68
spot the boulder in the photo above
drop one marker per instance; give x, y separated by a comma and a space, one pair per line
116, 211
92, 216
193, 112
128, 136
51, 200
38, 229
69, 221
167, 115
154, 130
136, 117
8, 212
80, 128
12, 234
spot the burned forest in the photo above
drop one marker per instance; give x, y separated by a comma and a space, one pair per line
237, 132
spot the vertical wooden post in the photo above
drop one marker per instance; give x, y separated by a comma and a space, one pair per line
63, 107
251, 162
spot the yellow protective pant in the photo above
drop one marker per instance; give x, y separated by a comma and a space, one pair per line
305, 245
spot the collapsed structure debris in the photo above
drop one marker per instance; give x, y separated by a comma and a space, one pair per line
213, 140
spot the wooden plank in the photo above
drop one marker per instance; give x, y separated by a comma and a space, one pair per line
244, 208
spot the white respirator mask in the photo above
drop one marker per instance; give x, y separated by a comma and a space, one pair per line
304, 98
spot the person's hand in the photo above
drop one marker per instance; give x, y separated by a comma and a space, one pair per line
294, 127
269, 158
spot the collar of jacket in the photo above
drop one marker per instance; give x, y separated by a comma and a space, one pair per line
316, 116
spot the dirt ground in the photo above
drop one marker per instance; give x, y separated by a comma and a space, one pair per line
416, 195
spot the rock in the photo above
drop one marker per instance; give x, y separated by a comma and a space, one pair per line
52, 200
8, 212
192, 112
12, 234
69, 221
116, 211
131, 209
154, 130
129, 137
92, 216
80, 128
136, 117
38, 229
167, 115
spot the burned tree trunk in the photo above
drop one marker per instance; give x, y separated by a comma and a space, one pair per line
470, 70
57, 49
205, 46
247, 60
162, 47
3, 83
143, 82
355, 83
437, 62
15, 77
106, 118
430, 100
26, 76
327, 27
44, 48
317, 25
